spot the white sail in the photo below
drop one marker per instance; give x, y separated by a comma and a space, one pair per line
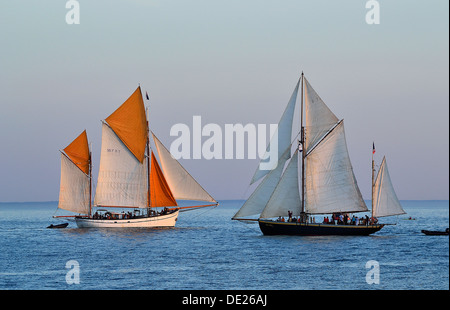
182, 184
257, 201
74, 188
330, 183
286, 196
283, 133
318, 117
122, 179
386, 202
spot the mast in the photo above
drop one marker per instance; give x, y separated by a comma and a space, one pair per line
90, 183
148, 162
302, 141
148, 173
373, 176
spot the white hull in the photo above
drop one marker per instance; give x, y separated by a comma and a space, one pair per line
168, 220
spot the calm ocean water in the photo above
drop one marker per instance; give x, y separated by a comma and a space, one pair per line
206, 250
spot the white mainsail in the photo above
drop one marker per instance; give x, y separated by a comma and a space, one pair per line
182, 184
386, 202
331, 185
286, 196
283, 133
258, 200
122, 178
74, 187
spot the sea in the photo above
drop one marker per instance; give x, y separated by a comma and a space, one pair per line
208, 251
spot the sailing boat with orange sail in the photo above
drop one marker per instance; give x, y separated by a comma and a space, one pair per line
129, 176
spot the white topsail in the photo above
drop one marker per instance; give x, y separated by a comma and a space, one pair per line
182, 184
74, 188
386, 202
283, 133
318, 117
122, 178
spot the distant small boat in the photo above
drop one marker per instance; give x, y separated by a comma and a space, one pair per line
435, 233
64, 225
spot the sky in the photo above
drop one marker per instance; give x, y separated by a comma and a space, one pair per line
229, 62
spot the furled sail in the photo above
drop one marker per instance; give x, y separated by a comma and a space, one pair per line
182, 184
330, 183
74, 186
386, 202
283, 133
286, 196
122, 178
257, 201
160, 193
318, 117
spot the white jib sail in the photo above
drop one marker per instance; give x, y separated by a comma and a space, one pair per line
386, 202
283, 133
74, 188
122, 179
318, 117
286, 196
181, 183
257, 201
330, 183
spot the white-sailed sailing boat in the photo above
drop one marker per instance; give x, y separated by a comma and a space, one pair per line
129, 176
325, 184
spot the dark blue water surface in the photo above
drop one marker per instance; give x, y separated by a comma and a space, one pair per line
206, 250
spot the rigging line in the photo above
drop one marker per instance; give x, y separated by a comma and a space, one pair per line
324, 136
207, 210
249, 226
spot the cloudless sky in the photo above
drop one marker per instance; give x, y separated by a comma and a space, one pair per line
229, 62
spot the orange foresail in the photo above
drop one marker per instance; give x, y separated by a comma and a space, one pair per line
78, 152
160, 193
129, 122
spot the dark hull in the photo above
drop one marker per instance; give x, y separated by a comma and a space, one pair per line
58, 225
435, 233
308, 229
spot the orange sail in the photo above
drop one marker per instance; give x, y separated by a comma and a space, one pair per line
160, 193
78, 152
129, 123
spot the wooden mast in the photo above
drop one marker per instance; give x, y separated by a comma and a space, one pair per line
148, 161
90, 183
302, 141
373, 176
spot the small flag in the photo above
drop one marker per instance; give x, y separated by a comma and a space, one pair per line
146, 95
373, 148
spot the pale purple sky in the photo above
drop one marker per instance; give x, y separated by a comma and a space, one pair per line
229, 62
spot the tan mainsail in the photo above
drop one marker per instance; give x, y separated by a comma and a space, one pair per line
160, 193
122, 178
129, 122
